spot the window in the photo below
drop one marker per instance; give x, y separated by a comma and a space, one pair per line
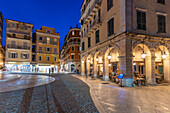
55, 50
25, 27
49, 31
13, 55
24, 56
79, 48
109, 4
161, 1
48, 49
25, 44
73, 33
161, 24
14, 25
55, 59
79, 57
97, 36
72, 56
48, 58
110, 27
72, 48
39, 58
13, 44
89, 42
40, 39
141, 20
48, 40
40, 49
82, 46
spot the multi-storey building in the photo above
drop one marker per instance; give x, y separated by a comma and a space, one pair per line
70, 51
126, 37
46, 50
18, 46
2, 62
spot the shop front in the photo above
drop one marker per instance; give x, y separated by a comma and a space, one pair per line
18, 67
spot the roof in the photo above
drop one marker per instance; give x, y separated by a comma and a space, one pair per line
19, 21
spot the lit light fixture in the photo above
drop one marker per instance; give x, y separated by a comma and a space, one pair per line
164, 55
97, 59
109, 65
83, 61
143, 55
88, 60
109, 56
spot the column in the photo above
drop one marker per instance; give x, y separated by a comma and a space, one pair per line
94, 67
150, 69
166, 70
125, 62
105, 68
82, 67
87, 67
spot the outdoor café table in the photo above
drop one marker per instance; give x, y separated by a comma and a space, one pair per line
158, 79
140, 80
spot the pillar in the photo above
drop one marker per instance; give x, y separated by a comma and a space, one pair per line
150, 69
87, 67
125, 62
94, 67
82, 67
105, 68
166, 68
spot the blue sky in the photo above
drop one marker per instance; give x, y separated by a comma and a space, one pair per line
59, 14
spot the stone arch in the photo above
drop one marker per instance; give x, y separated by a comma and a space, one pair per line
162, 64
114, 51
143, 66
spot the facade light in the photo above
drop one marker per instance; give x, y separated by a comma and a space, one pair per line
83, 61
143, 55
164, 55
109, 56
88, 60
97, 59
109, 65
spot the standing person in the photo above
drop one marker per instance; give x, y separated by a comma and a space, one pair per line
49, 71
52, 70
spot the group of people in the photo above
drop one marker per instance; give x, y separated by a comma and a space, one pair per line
139, 79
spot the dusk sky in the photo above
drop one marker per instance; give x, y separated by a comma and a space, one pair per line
59, 14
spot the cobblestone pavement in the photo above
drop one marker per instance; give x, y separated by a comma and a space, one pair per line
114, 99
66, 94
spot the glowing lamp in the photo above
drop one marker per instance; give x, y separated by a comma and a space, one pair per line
83, 62
164, 55
88, 60
109, 65
97, 59
143, 55
109, 56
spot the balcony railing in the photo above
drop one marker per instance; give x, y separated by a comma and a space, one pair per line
18, 47
96, 23
45, 42
95, 4
24, 38
72, 60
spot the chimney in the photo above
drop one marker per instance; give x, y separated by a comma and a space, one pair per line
77, 26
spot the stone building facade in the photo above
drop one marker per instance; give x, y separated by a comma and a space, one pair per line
70, 52
18, 46
125, 36
46, 50
2, 50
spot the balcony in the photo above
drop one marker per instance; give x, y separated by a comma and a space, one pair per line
92, 28
72, 60
23, 38
92, 10
18, 47
45, 42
